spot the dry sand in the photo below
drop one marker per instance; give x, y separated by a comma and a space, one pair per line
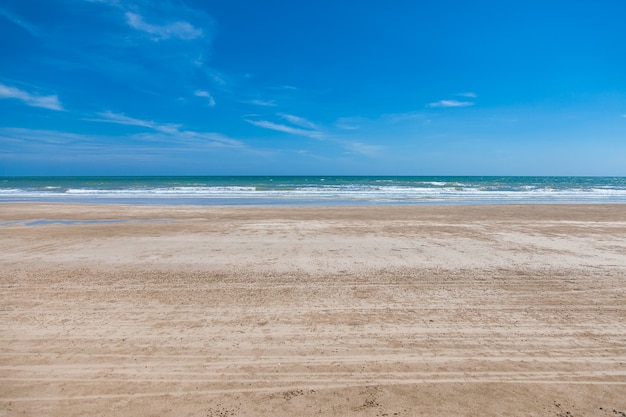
370, 311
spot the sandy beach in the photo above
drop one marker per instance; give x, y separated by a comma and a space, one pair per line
514, 310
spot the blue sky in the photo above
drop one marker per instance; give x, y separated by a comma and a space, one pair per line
482, 87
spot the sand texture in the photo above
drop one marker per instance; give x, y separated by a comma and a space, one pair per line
332, 311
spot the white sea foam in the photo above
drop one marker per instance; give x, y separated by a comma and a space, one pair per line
372, 191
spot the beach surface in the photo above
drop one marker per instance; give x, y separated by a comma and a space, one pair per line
513, 310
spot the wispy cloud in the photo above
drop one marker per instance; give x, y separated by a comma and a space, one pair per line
178, 29
264, 103
110, 117
362, 148
450, 103
356, 123
468, 94
182, 35
50, 137
47, 102
115, 3
214, 139
207, 95
19, 22
21, 141
217, 77
285, 87
298, 121
285, 128
164, 13
301, 126
350, 123
169, 132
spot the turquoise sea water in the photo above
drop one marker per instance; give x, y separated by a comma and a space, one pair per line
313, 190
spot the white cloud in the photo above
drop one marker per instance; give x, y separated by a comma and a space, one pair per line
264, 103
33, 100
113, 3
346, 126
451, 103
110, 117
402, 117
285, 87
216, 139
284, 128
19, 22
179, 29
31, 140
468, 94
363, 148
42, 136
207, 95
217, 77
297, 120
168, 132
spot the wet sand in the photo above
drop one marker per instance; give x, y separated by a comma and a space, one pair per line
332, 311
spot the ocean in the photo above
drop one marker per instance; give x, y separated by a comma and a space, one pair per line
313, 190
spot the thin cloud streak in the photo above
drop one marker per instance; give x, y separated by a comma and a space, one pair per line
402, 117
362, 148
33, 100
264, 103
298, 121
168, 132
285, 128
451, 103
50, 137
179, 29
207, 95
24, 141
19, 22
114, 3
110, 117
346, 126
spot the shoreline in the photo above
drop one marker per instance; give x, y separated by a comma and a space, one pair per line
9, 210
278, 202
315, 190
